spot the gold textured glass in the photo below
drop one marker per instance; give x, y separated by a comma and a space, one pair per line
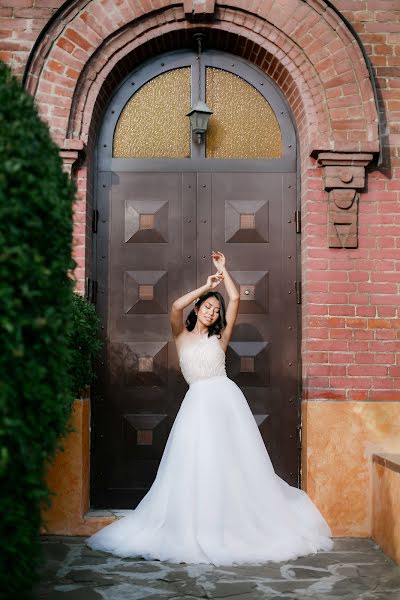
243, 124
153, 123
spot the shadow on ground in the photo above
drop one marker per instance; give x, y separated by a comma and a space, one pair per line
356, 569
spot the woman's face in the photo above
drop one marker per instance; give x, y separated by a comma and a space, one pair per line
208, 312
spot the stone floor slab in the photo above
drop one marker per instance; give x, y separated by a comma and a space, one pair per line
356, 569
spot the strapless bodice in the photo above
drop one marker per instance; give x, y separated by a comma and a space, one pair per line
201, 357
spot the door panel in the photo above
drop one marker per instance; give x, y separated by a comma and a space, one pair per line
138, 404
161, 230
248, 222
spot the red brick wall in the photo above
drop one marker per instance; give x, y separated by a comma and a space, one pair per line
20, 24
351, 334
378, 25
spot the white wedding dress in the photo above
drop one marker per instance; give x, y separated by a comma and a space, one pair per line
216, 498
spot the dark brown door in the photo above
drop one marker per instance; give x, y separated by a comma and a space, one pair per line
158, 230
139, 389
253, 225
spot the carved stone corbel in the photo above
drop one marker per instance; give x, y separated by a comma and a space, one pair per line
72, 152
344, 178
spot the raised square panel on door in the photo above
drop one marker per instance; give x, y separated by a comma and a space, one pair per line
146, 292
146, 221
246, 221
253, 289
136, 364
249, 363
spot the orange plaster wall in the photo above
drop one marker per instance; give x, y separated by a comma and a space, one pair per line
68, 477
386, 510
338, 443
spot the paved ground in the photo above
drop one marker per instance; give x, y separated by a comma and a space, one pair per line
353, 570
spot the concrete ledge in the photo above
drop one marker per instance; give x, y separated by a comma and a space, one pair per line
89, 523
116, 513
94, 520
391, 461
386, 503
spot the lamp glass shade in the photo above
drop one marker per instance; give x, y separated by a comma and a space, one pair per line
199, 116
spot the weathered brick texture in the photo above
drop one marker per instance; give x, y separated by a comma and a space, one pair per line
351, 326
20, 24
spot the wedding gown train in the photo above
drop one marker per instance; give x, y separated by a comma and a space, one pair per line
216, 498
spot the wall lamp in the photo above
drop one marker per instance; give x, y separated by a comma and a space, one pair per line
200, 113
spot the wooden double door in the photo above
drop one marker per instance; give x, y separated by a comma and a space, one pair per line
153, 243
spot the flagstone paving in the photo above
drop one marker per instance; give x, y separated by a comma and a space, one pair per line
356, 569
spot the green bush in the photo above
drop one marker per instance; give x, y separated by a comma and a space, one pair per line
85, 344
36, 299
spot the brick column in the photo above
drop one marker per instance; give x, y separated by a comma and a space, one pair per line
344, 178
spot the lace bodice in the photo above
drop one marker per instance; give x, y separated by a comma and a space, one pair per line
201, 358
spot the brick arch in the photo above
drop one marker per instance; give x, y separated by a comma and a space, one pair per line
303, 46
93, 95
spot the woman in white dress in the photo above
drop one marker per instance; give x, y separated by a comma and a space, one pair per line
216, 498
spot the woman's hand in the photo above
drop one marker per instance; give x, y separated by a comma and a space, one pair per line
214, 280
218, 259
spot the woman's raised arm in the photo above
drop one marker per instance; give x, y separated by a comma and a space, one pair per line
181, 303
233, 294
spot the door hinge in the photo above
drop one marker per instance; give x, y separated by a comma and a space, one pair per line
297, 285
91, 290
297, 218
299, 433
95, 220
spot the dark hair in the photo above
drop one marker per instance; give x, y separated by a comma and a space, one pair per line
220, 323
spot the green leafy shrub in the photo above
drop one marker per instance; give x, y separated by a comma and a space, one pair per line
36, 299
85, 344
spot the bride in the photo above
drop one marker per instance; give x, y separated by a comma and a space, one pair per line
216, 498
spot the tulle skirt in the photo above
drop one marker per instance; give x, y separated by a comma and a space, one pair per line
216, 498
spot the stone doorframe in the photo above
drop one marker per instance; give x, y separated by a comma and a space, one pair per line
87, 50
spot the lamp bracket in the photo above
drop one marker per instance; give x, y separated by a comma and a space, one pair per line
199, 38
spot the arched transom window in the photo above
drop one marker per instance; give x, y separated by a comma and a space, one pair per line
153, 123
